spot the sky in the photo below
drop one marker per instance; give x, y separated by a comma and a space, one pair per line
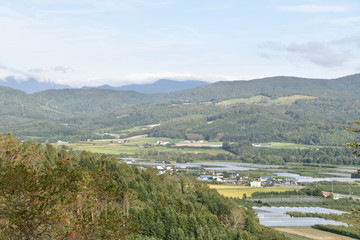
118, 42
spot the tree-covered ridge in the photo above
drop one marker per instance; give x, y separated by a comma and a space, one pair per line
48, 193
245, 152
275, 86
286, 109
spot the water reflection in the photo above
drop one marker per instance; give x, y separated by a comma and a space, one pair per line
300, 178
277, 217
219, 166
236, 166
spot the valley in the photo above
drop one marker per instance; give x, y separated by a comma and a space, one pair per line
179, 120
266, 142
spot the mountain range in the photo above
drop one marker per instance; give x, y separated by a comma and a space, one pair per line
32, 85
160, 86
291, 109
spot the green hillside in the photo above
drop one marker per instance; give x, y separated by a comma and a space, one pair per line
283, 109
88, 100
48, 193
272, 86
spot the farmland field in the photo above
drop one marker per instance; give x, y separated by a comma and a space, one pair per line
134, 146
285, 145
263, 100
239, 191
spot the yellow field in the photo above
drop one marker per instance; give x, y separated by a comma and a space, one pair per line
238, 191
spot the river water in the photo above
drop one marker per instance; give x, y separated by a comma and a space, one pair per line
277, 217
236, 166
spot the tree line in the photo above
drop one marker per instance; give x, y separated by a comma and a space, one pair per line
49, 193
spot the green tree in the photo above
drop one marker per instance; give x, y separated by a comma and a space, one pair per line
355, 148
354, 145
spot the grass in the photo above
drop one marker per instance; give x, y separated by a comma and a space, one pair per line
139, 128
296, 237
285, 145
239, 191
290, 99
132, 147
263, 100
252, 100
129, 130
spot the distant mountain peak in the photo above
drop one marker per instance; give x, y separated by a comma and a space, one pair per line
159, 86
30, 85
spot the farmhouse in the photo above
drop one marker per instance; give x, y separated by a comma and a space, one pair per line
163, 143
230, 180
205, 177
266, 179
255, 184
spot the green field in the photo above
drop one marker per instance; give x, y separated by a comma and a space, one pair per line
134, 146
126, 132
263, 100
239, 191
284, 145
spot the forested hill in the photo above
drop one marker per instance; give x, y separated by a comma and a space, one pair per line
277, 86
308, 111
160, 86
89, 100
47, 193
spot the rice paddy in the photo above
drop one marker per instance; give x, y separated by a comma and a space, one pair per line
239, 191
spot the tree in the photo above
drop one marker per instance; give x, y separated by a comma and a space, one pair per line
355, 148
47, 195
355, 145
356, 174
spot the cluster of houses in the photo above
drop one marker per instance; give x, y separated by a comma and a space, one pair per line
211, 175
164, 169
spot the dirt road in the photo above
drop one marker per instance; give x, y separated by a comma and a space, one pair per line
314, 233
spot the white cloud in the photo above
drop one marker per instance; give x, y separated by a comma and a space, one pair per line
314, 8
271, 45
62, 69
120, 42
344, 20
41, 75
148, 77
73, 11
36, 70
349, 40
6, 11
319, 54
6, 72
